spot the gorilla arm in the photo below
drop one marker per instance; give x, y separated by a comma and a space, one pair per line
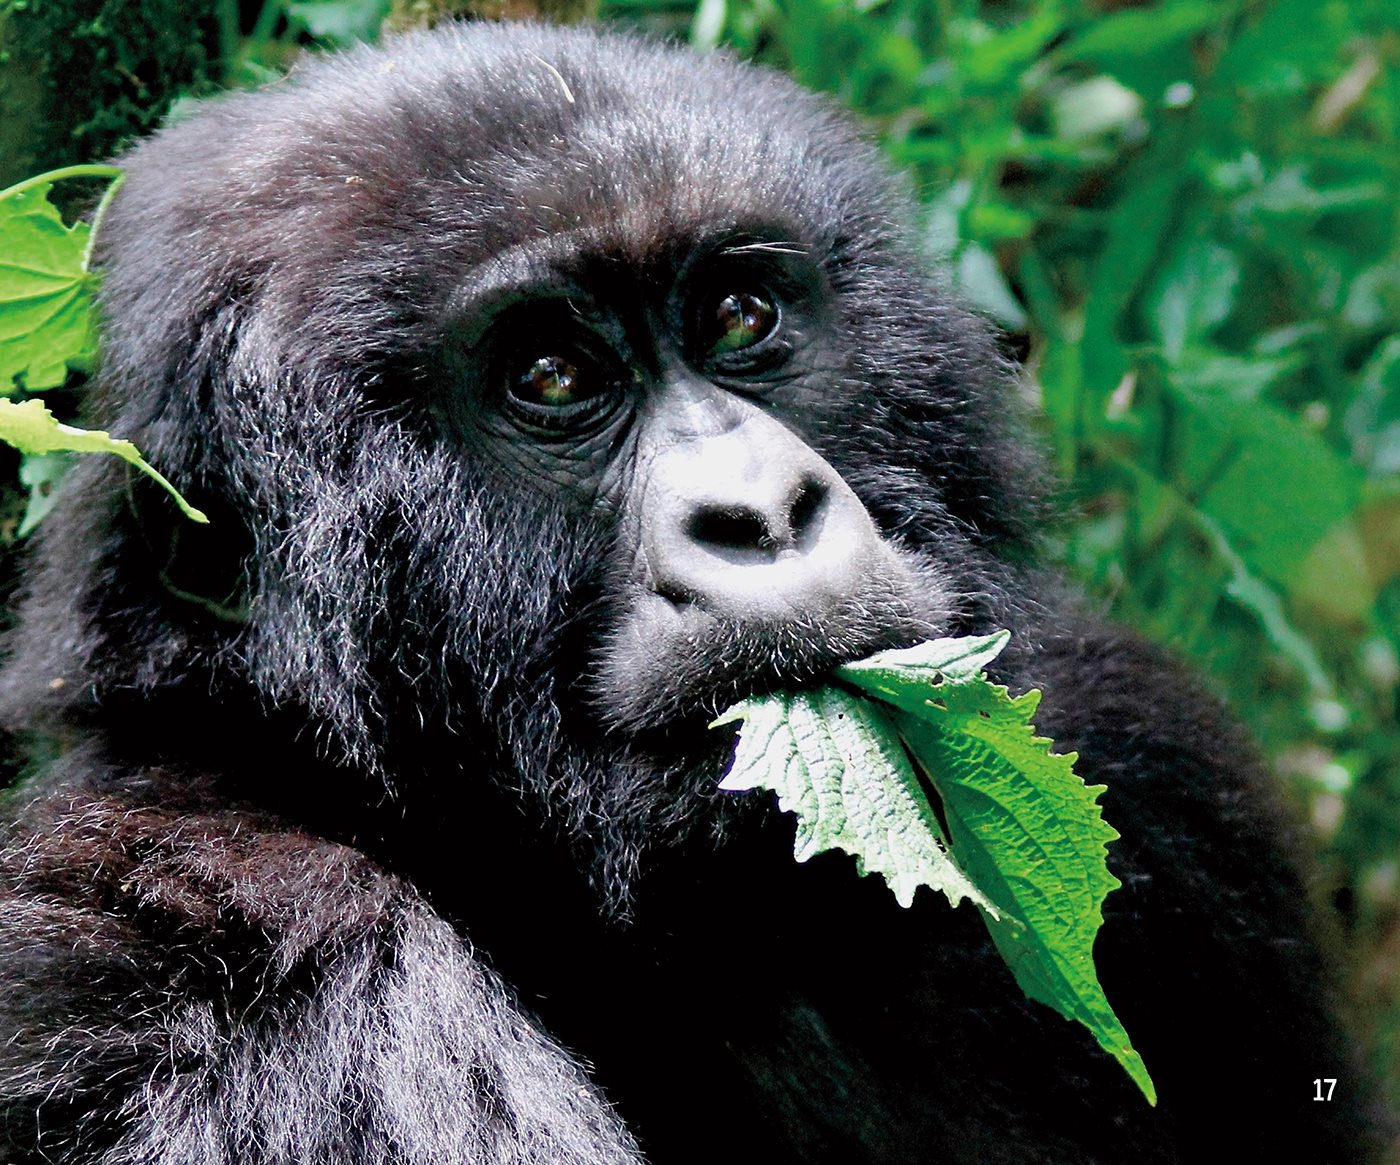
192, 982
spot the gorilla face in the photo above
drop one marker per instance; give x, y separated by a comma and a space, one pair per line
544, 415
737, 554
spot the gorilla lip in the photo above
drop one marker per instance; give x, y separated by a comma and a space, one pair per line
686, 660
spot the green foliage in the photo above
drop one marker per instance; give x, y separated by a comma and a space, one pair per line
836, 762
47, 325
1182, 211
79, 78
1026, 838
1185, 214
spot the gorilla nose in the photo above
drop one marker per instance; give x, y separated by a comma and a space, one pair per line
743, 532
750, 523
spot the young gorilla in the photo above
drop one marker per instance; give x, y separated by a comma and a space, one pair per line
549, 391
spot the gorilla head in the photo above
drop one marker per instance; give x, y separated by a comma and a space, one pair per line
550, 394
550, 391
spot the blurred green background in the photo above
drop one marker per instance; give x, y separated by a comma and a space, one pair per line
1185, 216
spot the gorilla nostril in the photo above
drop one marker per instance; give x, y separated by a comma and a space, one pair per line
805, 512
731, 528
758, 531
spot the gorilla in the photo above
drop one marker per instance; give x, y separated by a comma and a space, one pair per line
549, 391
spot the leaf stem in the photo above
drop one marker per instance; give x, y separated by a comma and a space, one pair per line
91, 170
98, 215
230, 33
115, 177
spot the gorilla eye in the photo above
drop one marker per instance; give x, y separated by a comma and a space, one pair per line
740, 321
550, 382
557, 395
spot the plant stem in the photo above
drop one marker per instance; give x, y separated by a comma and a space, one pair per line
98, 215
92, 170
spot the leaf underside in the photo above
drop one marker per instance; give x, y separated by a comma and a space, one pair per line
847, 778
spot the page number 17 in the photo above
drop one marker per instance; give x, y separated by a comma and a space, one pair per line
1319, 1093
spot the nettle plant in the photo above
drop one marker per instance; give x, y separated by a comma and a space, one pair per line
864, 762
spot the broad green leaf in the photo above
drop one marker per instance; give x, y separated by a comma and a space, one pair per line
1205, 369
1138, 32
994, 60
892, 673
836, 763
1275, 487
1287, 46
1023, 826
339, 21
1258, 597
46, 321
1028, 839
980, 280
1031, 834
47, 326
32, 429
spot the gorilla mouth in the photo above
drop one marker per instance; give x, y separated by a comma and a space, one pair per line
674, 662
670, 665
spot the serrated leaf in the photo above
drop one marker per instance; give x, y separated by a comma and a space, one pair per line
890, 673
31, 428
1031, 834
836, 762
1028, 839
46, 322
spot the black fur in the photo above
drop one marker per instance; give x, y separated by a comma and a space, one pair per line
378, 741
